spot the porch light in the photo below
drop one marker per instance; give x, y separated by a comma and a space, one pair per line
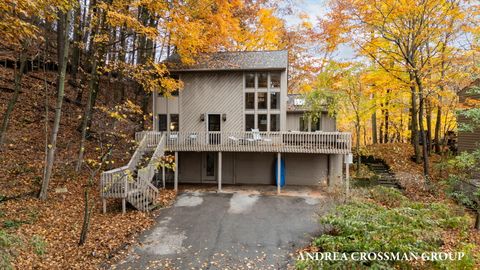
224, 117
172, 126
202, 117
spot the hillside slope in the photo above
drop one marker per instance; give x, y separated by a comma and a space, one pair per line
45, 234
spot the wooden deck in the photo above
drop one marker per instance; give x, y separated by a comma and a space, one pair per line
278, 142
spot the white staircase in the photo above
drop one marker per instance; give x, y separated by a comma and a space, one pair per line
133, 182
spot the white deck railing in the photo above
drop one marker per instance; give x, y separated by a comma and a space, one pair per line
285, 142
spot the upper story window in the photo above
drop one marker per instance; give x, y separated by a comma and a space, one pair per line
162, 122
250, 80
174, 122
250, 101
275, 100
262, 79
262, 100
275, 80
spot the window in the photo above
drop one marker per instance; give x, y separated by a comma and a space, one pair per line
250, 80
303, 123
275, 100
174, 122
315, 124
262, 122
162, 122
262, 101
262, 80
249, 122
275, 122
275, 80
249, 101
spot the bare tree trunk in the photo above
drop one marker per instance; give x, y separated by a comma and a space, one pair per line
374, 128
77, 37
86, 220
438, 125
429, 125
385, 140
13, 100
357, 144
422, 130
414, 127
92, 85
58, 109
477, 220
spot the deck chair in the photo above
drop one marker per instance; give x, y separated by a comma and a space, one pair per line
256, 137
191, 138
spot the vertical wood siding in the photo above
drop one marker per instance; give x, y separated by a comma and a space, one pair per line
211, 92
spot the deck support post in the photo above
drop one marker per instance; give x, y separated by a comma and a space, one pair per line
219, 171
347, 176
104, 204
124, 205
175, 184
279, 171
163, 176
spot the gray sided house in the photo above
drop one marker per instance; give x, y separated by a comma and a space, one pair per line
232, 122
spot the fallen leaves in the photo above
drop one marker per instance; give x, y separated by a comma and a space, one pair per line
48, 231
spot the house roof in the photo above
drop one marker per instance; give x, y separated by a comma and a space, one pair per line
244, 60
296, 103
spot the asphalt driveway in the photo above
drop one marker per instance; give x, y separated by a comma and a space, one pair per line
228, 231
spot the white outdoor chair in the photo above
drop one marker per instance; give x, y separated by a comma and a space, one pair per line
257, 137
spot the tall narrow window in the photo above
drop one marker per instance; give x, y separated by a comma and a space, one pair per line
250, 80
249, 122
315, 124
162, 122
174, 122
274, 122
275, 80
275, 100
262, 101
249, 101
262, 122
303, 123
262, 79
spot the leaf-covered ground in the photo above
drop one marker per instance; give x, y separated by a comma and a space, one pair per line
45, 235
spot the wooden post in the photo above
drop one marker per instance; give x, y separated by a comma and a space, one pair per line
124, 205
104, 202
347, 176
175, 184
163, 176
279, 171
219, 171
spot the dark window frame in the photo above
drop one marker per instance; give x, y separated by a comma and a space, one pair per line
162, 125
172, 121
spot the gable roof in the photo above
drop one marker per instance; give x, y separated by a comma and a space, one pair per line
245, 60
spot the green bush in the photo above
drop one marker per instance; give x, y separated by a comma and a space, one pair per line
390, 224
39, 245
7, 241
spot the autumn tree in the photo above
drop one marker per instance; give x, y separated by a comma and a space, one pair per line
403, 38
63, 44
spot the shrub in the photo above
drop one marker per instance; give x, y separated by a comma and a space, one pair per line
394, 225
39, 245
7, 241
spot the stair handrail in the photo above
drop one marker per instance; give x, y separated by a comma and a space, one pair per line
146, 174
137, 155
